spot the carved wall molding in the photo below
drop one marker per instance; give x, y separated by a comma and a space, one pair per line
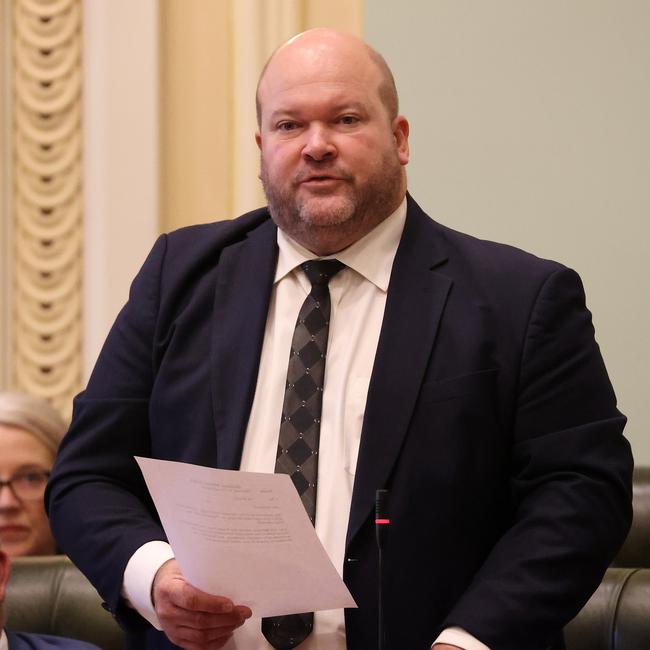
5, 185
47, 199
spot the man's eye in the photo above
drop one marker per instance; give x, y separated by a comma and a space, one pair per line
287, 126
349, 119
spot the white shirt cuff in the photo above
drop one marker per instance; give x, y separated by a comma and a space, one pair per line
458, 637
138, 578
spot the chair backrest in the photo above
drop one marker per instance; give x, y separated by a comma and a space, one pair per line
635, 552
617, 616
49, 595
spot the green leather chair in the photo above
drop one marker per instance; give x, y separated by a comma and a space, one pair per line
635, 552
49, 595
617, 616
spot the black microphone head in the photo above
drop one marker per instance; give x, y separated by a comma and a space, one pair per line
381, 506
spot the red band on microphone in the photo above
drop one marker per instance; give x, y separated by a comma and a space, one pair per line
382, 521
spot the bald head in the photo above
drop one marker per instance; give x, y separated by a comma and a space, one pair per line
329, 45
333, 148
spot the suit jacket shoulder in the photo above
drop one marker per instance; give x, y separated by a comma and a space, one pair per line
481, 262
199, 244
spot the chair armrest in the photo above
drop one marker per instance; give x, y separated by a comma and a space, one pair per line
617, 616
49, 595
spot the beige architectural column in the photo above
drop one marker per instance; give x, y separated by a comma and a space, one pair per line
120, 128
44, 199
195, 112
346, 15
5, 200
212, 52
253, 42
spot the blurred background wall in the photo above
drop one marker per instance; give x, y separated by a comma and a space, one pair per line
529, 125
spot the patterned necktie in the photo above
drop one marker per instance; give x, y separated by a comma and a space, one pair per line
300, 426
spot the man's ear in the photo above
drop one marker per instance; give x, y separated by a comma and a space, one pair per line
401, 130
258, 141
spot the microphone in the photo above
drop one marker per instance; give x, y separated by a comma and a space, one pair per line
382, 521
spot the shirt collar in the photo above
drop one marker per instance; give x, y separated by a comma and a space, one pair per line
372, 256
4, 643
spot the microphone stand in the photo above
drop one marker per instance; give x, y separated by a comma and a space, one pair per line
381, 530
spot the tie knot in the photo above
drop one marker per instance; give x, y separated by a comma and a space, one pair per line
320, 272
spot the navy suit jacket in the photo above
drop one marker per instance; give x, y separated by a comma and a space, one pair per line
24, 641
490, 419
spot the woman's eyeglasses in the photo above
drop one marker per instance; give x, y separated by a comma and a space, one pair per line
27, 485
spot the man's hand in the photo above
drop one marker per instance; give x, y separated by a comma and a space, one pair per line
191, 618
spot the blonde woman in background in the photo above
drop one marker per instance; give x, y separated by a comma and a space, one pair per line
30, 432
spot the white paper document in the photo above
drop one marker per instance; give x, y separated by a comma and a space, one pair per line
244, 535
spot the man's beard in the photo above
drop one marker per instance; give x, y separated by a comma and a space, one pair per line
343, 210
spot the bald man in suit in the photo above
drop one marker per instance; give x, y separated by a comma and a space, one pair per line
462, 376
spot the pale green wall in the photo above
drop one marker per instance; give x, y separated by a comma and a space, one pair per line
531, 125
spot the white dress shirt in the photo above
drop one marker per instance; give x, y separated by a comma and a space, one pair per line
358, 299
4, 644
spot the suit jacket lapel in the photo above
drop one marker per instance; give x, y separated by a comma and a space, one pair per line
416, 299
243, 288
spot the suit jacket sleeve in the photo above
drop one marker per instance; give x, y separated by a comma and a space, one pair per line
24, 641
96, 492
570, 482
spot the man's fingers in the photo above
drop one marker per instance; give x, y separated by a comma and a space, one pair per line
204, 620
170, 586
192, 638
191, 618
186, 644
243, 611
204, 637
188, 597
207, 609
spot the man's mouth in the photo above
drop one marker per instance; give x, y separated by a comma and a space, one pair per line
320, 180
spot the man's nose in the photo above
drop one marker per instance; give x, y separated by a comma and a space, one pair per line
319, 145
